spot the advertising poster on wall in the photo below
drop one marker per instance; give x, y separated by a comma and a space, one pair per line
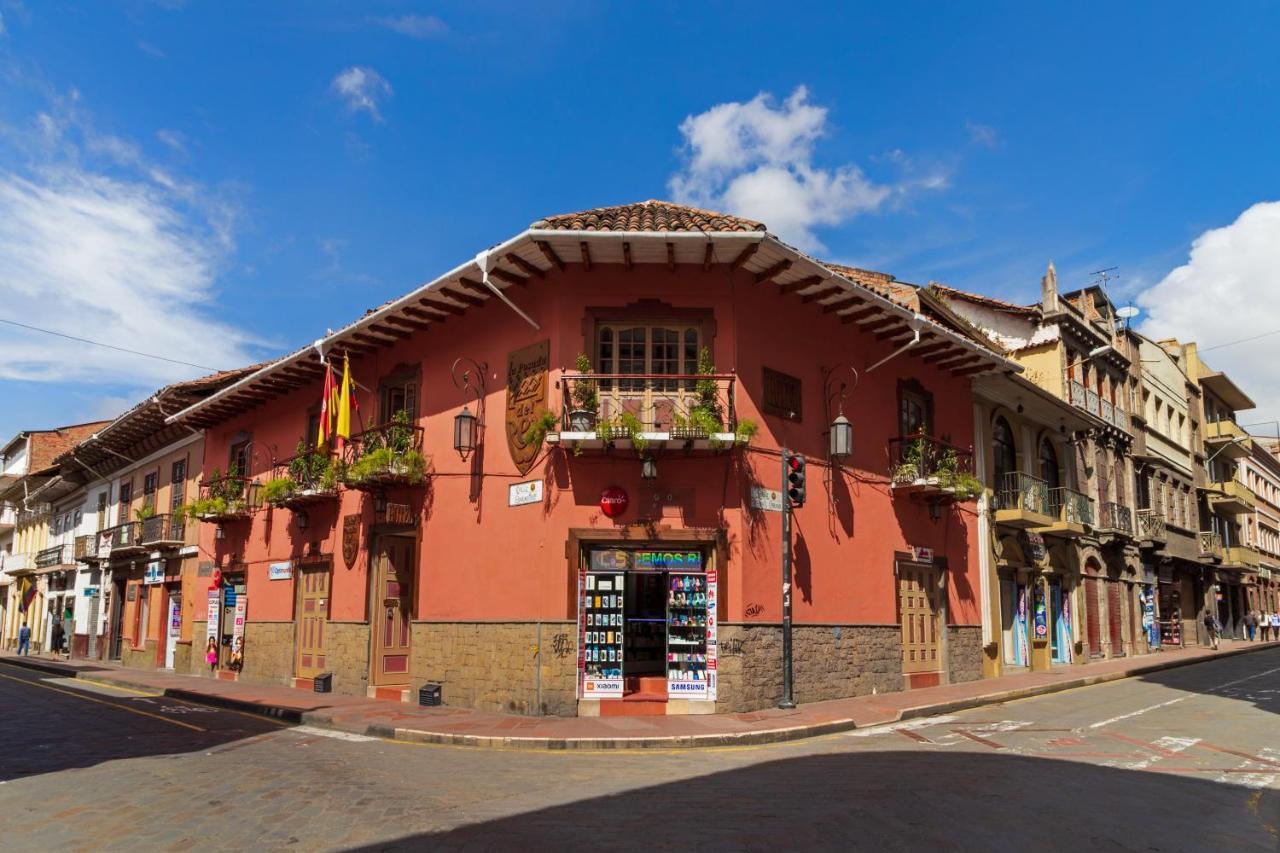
214, 614
600, 635
237, 632
690, 621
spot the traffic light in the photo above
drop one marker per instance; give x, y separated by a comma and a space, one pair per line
795, 480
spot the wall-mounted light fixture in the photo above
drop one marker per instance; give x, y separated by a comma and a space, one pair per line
840, 433
219, 532
302, 519
648, 468
467, 427
380, 502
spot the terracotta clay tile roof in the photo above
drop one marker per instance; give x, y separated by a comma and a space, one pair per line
48, 445
881, 282
983, 300
649, 215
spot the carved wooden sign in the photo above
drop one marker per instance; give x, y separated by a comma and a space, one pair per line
526, 400
350, 538
399, 514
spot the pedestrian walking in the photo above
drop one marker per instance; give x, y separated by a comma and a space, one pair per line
1211, 627
24, 639
1264, 626
56, 638
1275, 626
1251, 625
211, 653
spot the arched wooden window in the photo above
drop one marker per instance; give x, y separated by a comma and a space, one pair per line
1005, 451
915, 408
1049, 471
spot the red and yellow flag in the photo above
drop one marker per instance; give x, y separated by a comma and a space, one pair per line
327, 398
346, 402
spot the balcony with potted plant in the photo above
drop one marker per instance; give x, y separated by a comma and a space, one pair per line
126, 539
643, 411
310, 476
386, 456
923, 466
161, 530
223, 498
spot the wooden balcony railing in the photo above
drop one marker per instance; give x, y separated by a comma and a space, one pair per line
1022, 492
688, 406
1115, 518
1151, 526
57, 555
388, 455
1210, 544
164, 530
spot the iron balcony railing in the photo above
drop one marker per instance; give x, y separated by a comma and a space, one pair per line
124, 538
226, 497
1023, 492
163, 529
1095, 404
86, 547
387, 455
1151, 525
58, 555
922, 457
683, 405
1210, 544
1115, 517
1070, 506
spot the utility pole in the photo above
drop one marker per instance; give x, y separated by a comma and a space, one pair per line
793, 494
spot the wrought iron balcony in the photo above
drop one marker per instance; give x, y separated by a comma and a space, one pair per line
1210, 545
1151, 527
1090, 401
164, 531
86, 548
124, 539
225, 498
1115, 519
57, 555
309, 477
603, 410
386, 456
1022, 500
1071, 511
922, 464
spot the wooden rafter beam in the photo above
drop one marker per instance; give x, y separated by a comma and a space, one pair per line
507, 276
524, 266
772, 272
550, 254
372, 339
893, 334
879, 324
626, 254
409, 323
441, 305
474, 286
841, 304
869, 311
943, 351
708, 255
822, 293
586, 254
434, 314
380, 329
951, 364
744, 256
474, 301
968, 371
799, 284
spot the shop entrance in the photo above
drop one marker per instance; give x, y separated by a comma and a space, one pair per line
647, 626
917, 595
392, 599
1060, 620
313, 617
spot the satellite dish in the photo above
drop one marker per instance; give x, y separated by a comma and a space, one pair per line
1128, 312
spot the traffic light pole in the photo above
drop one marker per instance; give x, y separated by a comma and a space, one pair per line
787, 701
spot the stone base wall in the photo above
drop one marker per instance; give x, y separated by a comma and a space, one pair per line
828, 662
495, 666
268, 652
144, 658
347, 655
182, 658
964, 652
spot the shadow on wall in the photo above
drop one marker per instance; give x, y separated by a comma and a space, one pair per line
893, 801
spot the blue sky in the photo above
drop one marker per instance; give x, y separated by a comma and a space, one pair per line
218, 182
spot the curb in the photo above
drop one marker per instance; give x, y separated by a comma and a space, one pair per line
752, 738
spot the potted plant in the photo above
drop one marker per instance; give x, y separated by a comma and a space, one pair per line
278, 490
911, 466
585, 397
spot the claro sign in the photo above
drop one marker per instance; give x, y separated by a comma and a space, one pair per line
614, 501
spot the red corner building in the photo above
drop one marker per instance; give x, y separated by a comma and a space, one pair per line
562, 486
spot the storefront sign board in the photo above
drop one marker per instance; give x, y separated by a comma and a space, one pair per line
614, 501
1041, 613
280, 571
214, 614
90, 591
922, 555
398, 514
524, 494
154, 573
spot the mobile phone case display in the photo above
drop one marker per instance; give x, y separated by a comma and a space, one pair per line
691, 636
600, 635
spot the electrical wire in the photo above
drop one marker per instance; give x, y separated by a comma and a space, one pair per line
107, 346
1241, 341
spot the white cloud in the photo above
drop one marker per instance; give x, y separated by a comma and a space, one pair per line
97, 243
361, 88
1226, 291
755, 159
983, 135
415, 26
173, 138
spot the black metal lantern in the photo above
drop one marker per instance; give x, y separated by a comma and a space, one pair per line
648, 468
303, 519
841, 437
464, 433
380, 502
219, 532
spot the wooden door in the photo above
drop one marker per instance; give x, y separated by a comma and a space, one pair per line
917, 596
313, 618
1115, 612
392, 600
1093, 616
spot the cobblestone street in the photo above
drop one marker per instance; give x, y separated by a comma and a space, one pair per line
1180, 760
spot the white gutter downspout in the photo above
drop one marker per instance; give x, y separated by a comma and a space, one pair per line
483, 261
984, 524
917, 322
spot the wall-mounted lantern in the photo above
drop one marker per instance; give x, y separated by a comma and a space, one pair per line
467, 428
841, 443
219, 532
380, 502
302, 519
648, 468
840, 433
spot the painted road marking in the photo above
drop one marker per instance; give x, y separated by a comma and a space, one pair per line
336, 735
977, 739
1239, 754
1158, 705
104, 702
889, 728
916, 736
1165, 747
97, 687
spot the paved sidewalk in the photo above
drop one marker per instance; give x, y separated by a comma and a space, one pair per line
462, 726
